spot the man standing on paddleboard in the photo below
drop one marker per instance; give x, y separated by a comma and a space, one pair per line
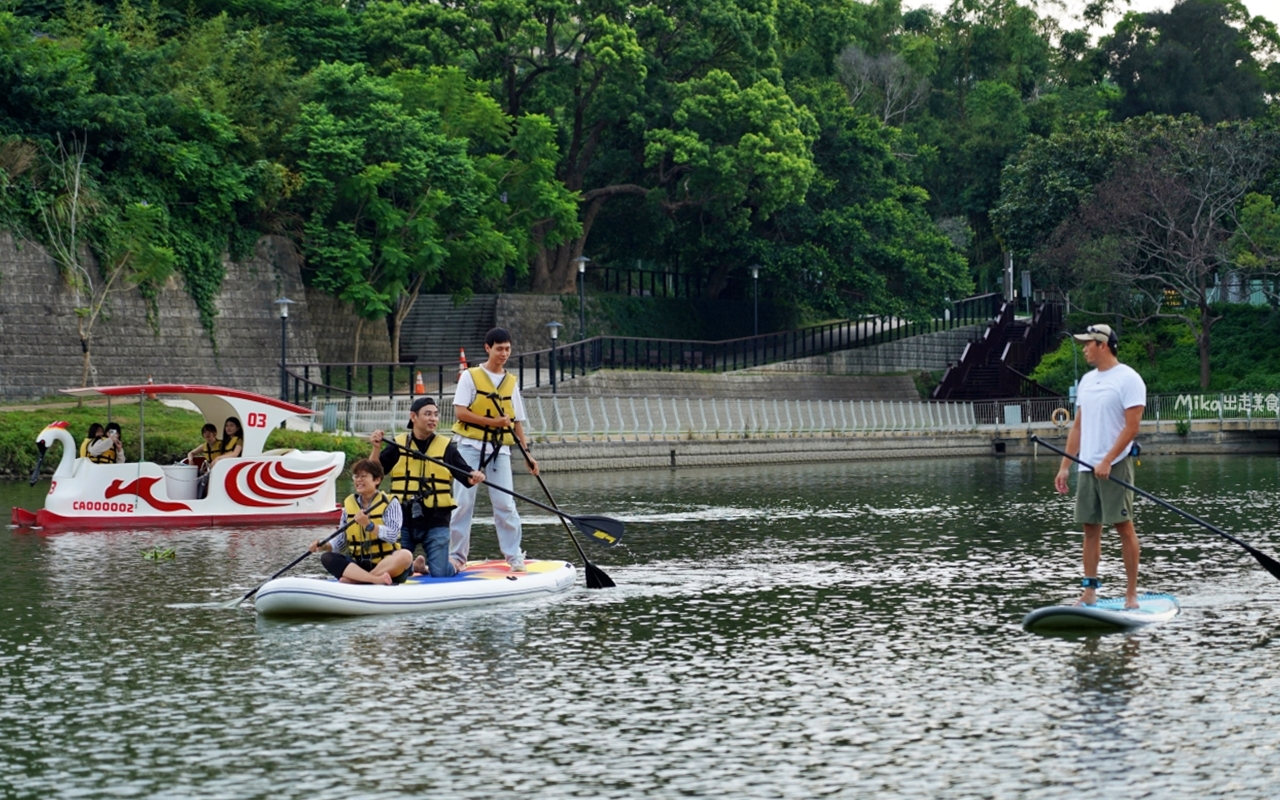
1109, 405
490, 417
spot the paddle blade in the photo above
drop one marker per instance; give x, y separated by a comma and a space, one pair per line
1268, 563
596, 578
602, 530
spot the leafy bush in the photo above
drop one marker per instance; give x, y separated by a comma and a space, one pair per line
1244, 355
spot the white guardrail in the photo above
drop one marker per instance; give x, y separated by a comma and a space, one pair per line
565, 418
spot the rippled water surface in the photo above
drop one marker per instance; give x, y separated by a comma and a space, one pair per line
847, 630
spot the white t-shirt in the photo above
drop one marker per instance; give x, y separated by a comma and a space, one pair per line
1101, 401
465, 395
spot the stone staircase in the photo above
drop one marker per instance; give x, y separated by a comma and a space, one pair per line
435, 329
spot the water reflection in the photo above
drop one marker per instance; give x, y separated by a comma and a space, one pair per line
842, 630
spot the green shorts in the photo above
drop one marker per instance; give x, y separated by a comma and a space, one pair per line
1105, 502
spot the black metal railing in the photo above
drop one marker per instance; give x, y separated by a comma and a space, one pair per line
996, 363
645, 282
539, 368
675, 355
368, 379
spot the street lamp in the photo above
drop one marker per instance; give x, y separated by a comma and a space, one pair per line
581, 261
284, 304
553, 328
755, 298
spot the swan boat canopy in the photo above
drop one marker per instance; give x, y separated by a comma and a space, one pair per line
260, 487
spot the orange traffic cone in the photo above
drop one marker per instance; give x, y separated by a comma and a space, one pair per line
418, 386
150, 395
462, 360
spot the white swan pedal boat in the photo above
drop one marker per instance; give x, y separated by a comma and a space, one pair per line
257, 488
482, 583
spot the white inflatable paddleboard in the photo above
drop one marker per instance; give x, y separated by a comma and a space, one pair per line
1107, 615
483, 583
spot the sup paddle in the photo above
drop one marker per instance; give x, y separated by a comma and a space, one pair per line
288, 567
1268, 563
596, 577
35, 473
607, 529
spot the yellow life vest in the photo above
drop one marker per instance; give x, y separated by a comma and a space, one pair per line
366, 544
231, 445
107, 456
490, 402
412, 475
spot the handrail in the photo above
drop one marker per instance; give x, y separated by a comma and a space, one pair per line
536, 368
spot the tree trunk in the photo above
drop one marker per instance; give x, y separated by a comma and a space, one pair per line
84, 348
553, 269
355, 351
1203, 342
717, 281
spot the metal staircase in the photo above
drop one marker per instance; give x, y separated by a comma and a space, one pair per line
997, 364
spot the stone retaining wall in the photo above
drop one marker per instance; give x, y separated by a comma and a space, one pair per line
40, 350
525, 316
338, 322
928, 353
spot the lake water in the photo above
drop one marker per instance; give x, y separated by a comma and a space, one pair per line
842, 630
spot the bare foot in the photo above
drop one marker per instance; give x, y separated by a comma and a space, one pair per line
420, 566
383, 579
1088, 598
1131, 601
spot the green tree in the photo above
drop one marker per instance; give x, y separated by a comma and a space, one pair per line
1162, 224
1202, 57
135, 254
390, 203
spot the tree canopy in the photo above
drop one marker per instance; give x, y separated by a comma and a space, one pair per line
870, 160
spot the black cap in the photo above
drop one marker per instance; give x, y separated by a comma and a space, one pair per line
418, 405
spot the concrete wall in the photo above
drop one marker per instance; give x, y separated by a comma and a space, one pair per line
40, 350
929, 353
754, 384
584, 456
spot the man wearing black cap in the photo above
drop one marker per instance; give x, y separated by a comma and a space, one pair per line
422, 487
1109, 406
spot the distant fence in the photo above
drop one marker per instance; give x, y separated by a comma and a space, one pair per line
565, 418
538, 368
1165, 411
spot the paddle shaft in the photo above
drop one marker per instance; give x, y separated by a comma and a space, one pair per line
596, 577
466, 476
1270, 564
292, 563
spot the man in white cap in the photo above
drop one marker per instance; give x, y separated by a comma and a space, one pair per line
1109, 406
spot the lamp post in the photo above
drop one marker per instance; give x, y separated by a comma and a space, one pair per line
755, 298
581, 261
284, 304
553, 328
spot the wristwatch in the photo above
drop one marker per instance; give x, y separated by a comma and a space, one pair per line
369, 528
